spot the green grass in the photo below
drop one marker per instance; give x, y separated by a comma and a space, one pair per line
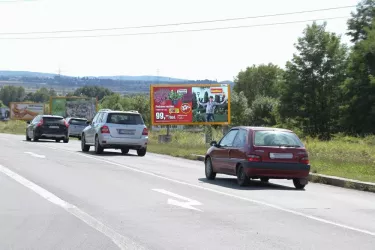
184, 144
13, 127
347, 157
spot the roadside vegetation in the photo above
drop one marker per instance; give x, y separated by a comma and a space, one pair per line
13, 127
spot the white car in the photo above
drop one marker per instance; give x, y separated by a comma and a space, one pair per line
116, 129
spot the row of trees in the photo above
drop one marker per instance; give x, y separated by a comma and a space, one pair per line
10, 94
325, 88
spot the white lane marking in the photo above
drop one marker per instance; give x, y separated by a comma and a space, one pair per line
118, 239
35, 155
223, 193
187, 203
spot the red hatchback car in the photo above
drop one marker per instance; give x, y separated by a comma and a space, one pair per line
259, 153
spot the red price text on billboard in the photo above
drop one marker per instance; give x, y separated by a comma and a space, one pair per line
190, 104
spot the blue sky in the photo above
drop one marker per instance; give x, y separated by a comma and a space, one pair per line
198, 55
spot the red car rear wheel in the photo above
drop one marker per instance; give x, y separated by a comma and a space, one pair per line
210, 174
242, 178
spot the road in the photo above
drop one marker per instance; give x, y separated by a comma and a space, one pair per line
55, 197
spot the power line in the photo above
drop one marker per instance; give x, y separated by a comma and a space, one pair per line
170, 32
177, 24
16, 1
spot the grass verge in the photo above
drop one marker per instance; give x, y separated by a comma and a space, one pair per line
13, 127
347, 157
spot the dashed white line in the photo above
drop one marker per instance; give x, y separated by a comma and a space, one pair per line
35, 155
118, 239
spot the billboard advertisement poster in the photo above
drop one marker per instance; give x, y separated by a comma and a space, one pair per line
186, 104
81, 107
25, 110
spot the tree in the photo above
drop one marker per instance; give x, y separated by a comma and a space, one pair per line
10, 94
311, 92
93, 91
361, 20
140, 103
263, 111
358, 112
240, 112
110, 101
259, 80
41, 95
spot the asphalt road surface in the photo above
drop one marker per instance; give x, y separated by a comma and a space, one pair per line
53, 196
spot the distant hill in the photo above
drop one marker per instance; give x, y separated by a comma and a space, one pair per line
25, 74
121, 84
144, 78
227, 82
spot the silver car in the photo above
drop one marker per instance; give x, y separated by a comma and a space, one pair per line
116, 129
76, 126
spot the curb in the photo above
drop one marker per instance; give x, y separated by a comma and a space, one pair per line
330, 180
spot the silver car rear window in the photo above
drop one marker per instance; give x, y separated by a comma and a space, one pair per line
123, 118
78, 122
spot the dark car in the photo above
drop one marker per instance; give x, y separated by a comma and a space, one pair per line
48, 127
259, 153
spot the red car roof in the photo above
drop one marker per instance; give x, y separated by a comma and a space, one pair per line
263, 128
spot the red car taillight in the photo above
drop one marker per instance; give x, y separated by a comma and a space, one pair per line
104, 130
145, 131
305, 160
66, 124
254, 158
40, 123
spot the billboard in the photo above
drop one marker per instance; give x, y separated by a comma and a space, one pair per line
186, 104
25, 110
82, 107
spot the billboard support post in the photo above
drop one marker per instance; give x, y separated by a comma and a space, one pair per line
208, 134
164, 138
225, 129
168, 129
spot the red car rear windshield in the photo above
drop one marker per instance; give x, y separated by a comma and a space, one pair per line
276, 139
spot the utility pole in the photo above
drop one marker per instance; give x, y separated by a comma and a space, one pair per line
59, 81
